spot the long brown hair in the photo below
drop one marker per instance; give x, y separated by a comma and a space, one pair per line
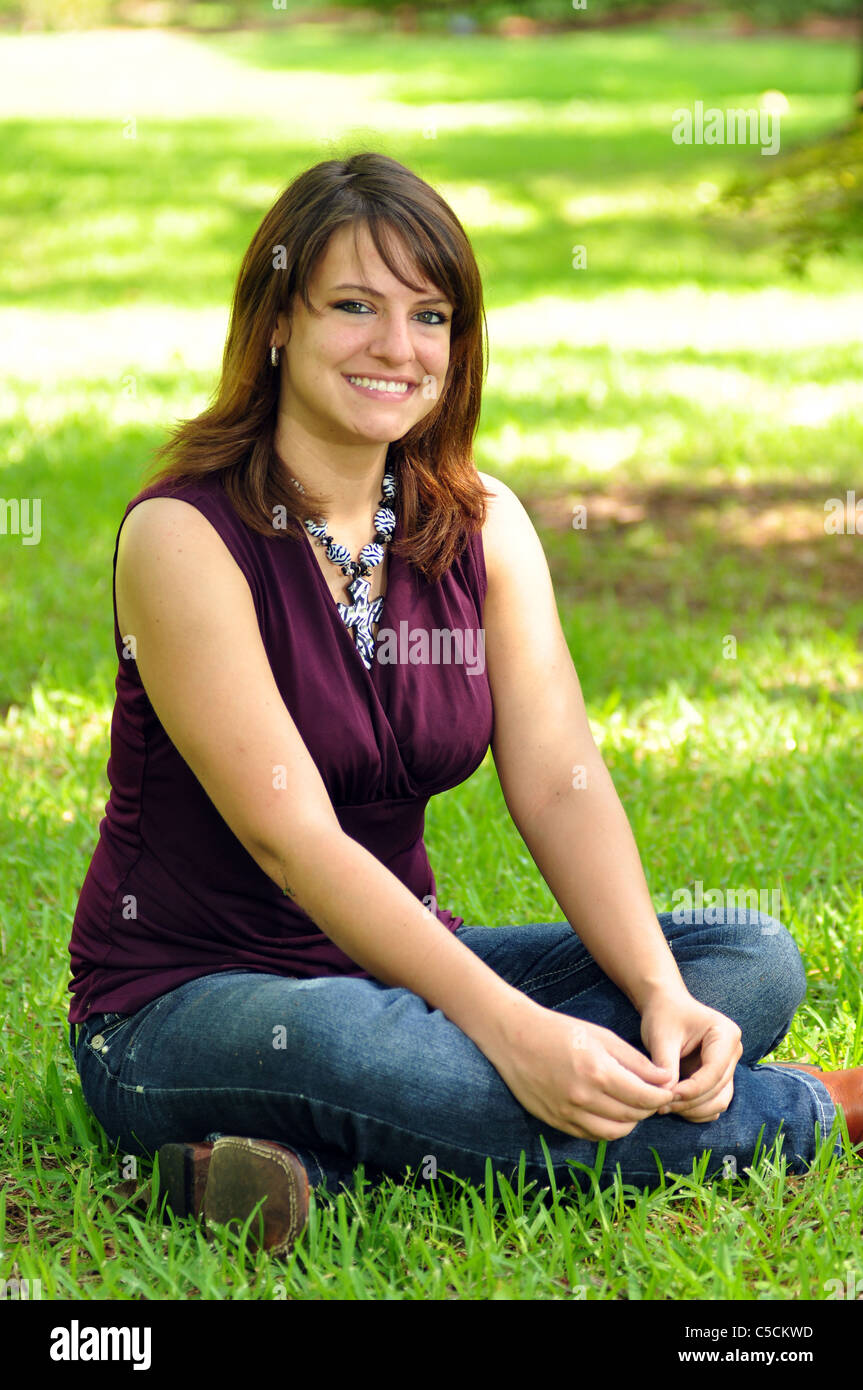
440, 496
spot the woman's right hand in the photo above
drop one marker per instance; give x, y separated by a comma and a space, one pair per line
576, 1076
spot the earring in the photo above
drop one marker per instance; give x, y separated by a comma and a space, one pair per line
274, 356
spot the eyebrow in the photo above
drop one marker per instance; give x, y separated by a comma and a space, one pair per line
377, 294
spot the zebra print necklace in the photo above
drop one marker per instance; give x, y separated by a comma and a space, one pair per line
359, 615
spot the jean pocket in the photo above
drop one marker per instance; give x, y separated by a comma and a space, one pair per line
112, 1037
106, 1028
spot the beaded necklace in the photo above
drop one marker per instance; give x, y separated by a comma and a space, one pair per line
359, 614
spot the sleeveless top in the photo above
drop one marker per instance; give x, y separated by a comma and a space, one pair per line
170, 893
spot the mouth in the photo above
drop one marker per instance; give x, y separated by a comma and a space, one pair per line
382, 388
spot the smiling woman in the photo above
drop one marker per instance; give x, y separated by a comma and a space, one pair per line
421, 310
261, 992
338, 360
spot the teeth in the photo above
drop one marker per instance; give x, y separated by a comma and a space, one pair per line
396, 388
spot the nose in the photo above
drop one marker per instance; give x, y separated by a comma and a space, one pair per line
393, 339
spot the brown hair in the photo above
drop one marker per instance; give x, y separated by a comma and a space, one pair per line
440, 496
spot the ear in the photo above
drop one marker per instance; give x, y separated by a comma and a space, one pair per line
282, 328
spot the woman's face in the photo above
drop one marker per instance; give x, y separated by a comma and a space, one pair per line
372, 329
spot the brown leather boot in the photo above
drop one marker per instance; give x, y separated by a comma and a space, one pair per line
224, 1181
845, 1089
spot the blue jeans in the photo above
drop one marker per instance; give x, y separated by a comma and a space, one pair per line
347, 1071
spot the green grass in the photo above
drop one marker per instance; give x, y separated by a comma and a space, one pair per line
698, 401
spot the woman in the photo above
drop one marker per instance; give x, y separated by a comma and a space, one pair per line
324, 615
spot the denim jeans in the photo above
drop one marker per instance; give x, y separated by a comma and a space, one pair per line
347, 1071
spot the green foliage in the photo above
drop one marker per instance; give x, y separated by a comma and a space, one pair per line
59, 14
408, 14
811, 198
767, 12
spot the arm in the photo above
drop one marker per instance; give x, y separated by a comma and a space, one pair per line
579, 835
563, 801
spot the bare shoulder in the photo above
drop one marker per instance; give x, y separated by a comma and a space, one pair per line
156, 516
164, 540
508, 534
159, 521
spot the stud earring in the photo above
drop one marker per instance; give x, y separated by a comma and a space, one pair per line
274, 356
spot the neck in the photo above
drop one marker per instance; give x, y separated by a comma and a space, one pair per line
350, 477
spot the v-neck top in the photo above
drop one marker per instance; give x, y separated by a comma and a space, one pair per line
170, 893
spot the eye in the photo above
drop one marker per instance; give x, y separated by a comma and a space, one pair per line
350, 305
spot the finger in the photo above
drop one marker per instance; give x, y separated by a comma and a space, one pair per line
705, 1092
710, 1101
618, 1089
704, 1098
625, 1095
596, 1127
611, 1111
700, 1089
634, 1061
712, 1111
665, 1052
603, 1087
604, 1103
719, 1057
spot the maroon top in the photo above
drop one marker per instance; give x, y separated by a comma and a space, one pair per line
171, 893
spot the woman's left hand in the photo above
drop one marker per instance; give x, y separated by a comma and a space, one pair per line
696, 1043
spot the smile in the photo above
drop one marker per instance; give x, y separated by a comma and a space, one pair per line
379, 386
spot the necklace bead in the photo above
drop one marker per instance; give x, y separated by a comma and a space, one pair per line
359, 615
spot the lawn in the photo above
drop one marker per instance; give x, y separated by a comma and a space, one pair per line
702, 404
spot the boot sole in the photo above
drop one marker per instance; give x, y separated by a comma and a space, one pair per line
225, 1181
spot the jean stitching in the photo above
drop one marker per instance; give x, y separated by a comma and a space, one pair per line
422, 1137
110, 1029
427, 1138
826, 1108
553, 975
